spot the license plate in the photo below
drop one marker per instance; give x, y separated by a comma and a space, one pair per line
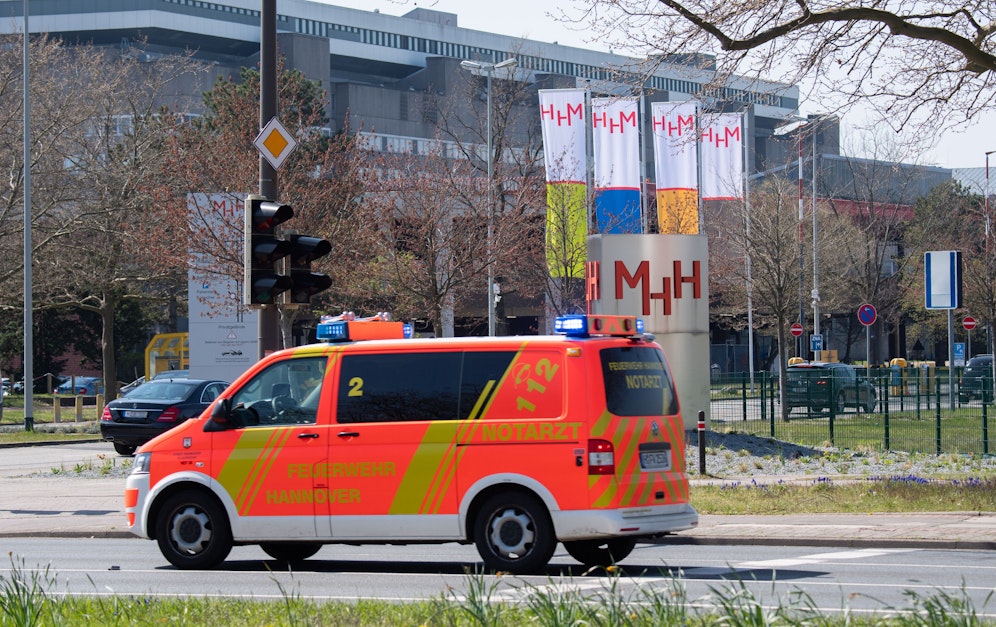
655, 457
134, 413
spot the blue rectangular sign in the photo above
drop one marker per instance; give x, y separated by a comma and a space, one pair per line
959, 355
943, 279
816, 342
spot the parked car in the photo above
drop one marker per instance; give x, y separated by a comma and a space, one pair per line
154, 407
172, 374
822, 385
86, 386
977, 379
124, 389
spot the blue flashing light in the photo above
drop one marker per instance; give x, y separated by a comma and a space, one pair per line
409, 331
575, 325
578, 325
332, 331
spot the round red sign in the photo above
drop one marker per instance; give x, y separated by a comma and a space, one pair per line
796, 329
968, 322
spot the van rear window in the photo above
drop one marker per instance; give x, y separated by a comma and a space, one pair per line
637, 383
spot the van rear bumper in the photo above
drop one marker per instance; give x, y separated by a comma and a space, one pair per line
643, 521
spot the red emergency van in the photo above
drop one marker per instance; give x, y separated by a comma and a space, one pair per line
510, 443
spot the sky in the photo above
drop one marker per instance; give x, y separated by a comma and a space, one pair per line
535, 19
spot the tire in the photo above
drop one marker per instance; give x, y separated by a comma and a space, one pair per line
193, 531
290, 551
124, 449
870, 405
513, 533
841, 403
602, 553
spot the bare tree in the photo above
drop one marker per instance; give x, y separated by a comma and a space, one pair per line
61, 107
767, 232
432, 243
948, 218
933, 60
321, 180
115, 157
516, 250
873, 202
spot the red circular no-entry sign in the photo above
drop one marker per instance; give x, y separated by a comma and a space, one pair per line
968, 322
796, 329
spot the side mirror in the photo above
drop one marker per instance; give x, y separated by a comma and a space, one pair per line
222, 417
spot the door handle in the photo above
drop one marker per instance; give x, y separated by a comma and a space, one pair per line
349, 434
305, 436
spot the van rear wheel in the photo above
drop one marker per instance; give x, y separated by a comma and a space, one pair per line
513, 533
192, 531
602, 553
290, 551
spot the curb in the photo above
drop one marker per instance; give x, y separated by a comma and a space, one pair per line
49, 443
857, 543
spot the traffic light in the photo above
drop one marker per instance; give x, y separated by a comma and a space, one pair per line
304, 282
278, 269
263, 249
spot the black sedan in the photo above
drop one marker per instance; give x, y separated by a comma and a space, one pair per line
155, 407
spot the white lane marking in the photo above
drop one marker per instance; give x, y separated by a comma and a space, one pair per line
819, 558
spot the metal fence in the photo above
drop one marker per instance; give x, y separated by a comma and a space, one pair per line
915, 409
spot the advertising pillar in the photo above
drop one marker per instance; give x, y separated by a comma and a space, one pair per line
663, 279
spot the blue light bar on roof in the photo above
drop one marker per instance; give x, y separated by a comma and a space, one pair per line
586, 326
369, 329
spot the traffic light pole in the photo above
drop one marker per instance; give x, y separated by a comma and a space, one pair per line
269, 316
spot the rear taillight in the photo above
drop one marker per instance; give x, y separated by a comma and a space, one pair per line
106, 415
601, 458
170, 414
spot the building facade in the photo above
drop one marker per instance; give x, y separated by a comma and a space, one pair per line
391, 75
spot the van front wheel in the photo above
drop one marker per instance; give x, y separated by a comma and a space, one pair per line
513, 533
602, 553
192, 531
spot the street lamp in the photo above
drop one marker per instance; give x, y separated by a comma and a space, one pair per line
489, 69
798, 127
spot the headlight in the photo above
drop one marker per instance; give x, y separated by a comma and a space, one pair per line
141, 463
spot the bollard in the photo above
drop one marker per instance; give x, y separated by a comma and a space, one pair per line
702, 446
79, 409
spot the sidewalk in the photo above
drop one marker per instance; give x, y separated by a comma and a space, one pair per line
77, 507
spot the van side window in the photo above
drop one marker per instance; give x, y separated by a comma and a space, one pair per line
482, 371
637, 383
399, 387
287, 392
419, 385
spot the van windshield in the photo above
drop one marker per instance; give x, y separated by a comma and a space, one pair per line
637, 382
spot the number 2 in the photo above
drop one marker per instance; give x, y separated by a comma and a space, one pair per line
356, 386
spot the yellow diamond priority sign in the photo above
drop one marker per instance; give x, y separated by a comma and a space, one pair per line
275, 143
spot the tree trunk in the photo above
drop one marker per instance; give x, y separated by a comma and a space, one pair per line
110, 366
